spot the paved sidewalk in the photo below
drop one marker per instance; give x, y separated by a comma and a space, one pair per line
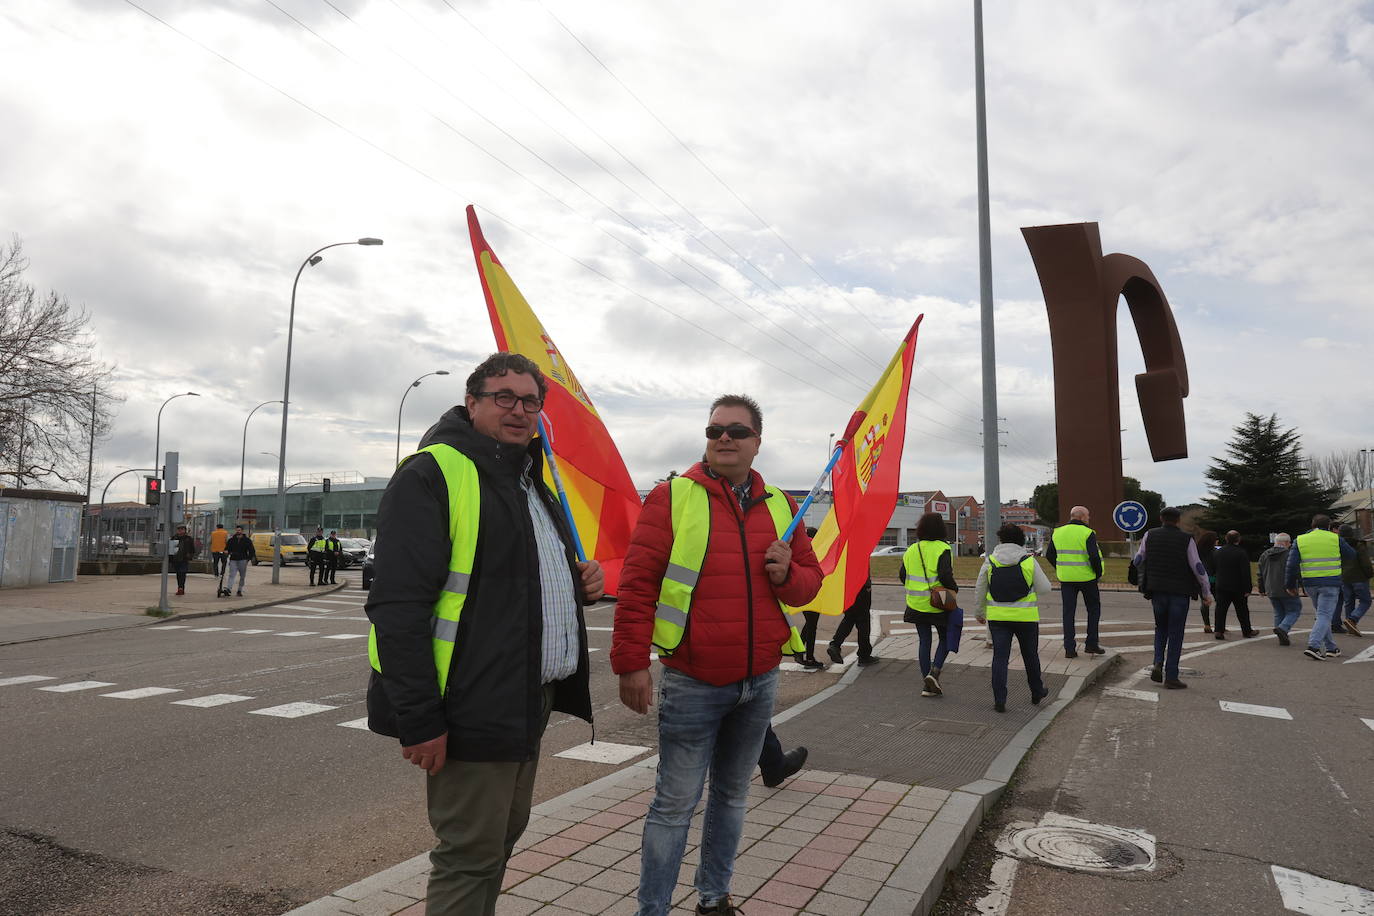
94, 603
900, 785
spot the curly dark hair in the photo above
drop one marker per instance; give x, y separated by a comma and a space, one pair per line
1011, 534
931, 527
499, 364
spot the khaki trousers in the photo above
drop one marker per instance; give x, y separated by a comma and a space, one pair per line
478, 810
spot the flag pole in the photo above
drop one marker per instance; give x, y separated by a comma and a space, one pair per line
558, 484
840, 443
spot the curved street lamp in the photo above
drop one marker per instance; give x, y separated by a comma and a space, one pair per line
157, 440
414, 384
313, 259
243, 456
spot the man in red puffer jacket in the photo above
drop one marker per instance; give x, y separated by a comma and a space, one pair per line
705, 582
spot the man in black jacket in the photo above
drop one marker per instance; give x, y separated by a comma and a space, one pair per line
519, 648
1234, 585
239, 550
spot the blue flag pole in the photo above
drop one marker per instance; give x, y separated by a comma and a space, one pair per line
562, 494
811, 497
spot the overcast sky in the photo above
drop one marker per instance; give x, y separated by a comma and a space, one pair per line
797, 179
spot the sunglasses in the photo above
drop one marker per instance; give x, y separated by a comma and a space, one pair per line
734, 430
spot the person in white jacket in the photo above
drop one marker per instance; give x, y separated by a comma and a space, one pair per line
1007, 598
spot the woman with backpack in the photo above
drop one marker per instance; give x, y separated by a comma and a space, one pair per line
1007, 598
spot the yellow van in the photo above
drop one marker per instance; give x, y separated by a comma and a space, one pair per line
292, 548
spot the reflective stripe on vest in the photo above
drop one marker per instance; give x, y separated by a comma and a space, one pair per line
922, 563
1319, 554
464, 513
1023, 609
691, 516
1071, 560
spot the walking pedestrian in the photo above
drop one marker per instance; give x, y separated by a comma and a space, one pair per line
1078, 565
1273, 565
1355, 574
1007, 598
467, 527
857, 619
183, 553
1171, 575
332, 551
707, 582
239, 550
1316, 560
314, 557
1207, 553
808, 631
1233, 585
218, 538
927, 566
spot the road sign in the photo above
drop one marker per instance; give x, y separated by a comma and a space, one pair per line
1130, 516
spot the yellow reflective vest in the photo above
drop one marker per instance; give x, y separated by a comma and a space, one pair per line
1022, 609
1071, 560
464, 513
1319, 554
921, 563
691, 517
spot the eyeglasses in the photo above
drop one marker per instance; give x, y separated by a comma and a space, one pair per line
506, 400
734, 430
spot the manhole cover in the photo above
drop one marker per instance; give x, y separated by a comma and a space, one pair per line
950, 727
1067, 842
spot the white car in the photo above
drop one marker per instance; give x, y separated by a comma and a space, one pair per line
890, 551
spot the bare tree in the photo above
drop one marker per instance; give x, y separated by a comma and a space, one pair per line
54, 394
1334, 471
1360, 463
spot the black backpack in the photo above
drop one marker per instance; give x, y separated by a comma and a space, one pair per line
1007, 583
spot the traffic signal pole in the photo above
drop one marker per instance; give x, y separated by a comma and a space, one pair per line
168, 473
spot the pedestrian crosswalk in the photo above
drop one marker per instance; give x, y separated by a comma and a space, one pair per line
254, 631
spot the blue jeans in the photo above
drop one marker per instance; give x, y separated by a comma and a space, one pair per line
1027, 633
1287, 609
1171, 613
1092, 603
702, 728
1356, 599
1324, 599
923, 643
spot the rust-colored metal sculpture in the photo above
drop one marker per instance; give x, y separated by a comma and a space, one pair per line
1081, 288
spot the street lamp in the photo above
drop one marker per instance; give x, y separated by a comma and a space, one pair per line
157, 440
243, 454
310, 261
414, 384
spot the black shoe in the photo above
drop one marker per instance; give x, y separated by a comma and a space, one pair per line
1283, 637
721, 908
1314, 653
1175, 685
833, 652
240, 594
932, 686
1094, 650
810, 664
865, 662
1334, 653
1000, 707
1157, 674
1037, 697
1071, 653
792, 762
1221, 634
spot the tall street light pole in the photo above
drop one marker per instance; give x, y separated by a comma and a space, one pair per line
414, 384
243, 456
310, 261
157, 459
992, 495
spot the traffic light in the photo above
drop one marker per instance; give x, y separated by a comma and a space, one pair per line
152, 491
326, 484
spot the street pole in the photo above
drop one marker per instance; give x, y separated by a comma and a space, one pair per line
310, 261
90, 470
157, 457
243, 457
414, 384
992, 496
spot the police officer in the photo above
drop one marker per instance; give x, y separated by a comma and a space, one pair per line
314, 557
332, 551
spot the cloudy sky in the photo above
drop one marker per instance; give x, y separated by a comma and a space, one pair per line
695, 198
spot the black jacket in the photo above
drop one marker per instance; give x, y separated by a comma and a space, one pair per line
240, 547
493, 708
186, 548
1233, 569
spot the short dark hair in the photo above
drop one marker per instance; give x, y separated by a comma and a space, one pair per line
931, 527
1321, 522
238, 527
1011, 534
500, 364
1170, 514
1233, 537
741, 400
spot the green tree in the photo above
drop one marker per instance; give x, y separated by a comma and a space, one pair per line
1263, 485
1045, 501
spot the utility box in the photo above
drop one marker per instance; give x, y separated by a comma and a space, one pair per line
40, 536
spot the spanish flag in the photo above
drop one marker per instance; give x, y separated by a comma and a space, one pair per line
865, 481
604, 501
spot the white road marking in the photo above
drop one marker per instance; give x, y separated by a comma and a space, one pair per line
355, 723
1369, 722
140, 692
1304, 893
334, 601
348, 636
208, 630
292, 710
25, 679
1000, 879
600, 629
1272, 712
295, 616
1151, 647
1366, 656
1130, 694
603, 752
77, 685
301, 633
253, 632
170, 626
302, 607
214, 699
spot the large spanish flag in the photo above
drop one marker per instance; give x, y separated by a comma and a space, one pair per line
604, 501
865, 480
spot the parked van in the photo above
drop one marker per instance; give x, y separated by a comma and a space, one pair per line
292, 548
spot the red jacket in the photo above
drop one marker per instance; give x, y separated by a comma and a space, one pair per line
728, 636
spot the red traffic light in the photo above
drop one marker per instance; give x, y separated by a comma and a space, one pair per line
152, 491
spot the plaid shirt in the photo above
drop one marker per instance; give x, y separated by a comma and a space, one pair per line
560, 649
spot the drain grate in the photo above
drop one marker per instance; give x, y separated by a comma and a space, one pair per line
951, 727
1067, 842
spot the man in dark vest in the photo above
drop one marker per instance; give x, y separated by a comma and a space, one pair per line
332, 550
1171, 575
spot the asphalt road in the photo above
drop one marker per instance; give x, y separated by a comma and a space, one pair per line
145, 805
1226, 795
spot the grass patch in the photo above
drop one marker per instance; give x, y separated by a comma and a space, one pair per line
156, 612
